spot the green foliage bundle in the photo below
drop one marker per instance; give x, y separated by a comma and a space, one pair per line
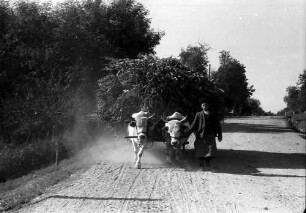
163, 85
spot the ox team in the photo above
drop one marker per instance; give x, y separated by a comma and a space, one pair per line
175, 132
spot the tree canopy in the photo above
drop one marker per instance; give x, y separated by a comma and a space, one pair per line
252, 107
195, 57
296, 95
128, 29
232, 79
52, 56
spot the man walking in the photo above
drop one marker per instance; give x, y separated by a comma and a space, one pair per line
206, 127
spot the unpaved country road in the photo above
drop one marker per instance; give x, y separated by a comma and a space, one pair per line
261, 168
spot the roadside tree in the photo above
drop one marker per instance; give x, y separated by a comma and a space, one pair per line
52, 57
195, 58
296, 95
231, 78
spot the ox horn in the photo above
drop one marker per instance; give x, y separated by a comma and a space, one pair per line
183, 120
151, 116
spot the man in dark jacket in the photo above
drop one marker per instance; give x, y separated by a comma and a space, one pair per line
206, 127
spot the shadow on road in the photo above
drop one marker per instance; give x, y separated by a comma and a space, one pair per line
254, 128
243, 162
95, 198
302, 135
246, 162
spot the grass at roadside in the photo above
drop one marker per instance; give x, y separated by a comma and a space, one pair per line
17, 160
14, 193
29, 169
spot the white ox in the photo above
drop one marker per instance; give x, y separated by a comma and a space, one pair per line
177, 128
137, 133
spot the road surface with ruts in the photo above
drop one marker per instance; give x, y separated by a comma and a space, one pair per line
260, 168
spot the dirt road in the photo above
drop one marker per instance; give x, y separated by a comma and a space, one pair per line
260, 168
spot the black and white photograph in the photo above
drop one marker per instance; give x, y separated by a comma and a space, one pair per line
153, 106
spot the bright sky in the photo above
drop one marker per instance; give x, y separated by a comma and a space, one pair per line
267, 36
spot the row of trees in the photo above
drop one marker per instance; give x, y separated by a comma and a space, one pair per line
295, 111
60, 64
230, 78
296, 96
51, 58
